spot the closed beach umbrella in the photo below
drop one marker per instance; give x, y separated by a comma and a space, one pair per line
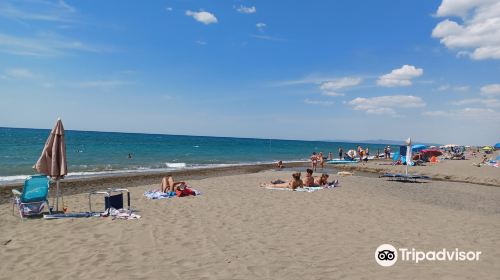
52, 162
408, 154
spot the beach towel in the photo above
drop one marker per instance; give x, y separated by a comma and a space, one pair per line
122, 214
305, 189
157, 194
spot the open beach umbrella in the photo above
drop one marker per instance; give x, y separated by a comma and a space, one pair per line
52, 162
497, 146
418, 147
431, 153
487, 148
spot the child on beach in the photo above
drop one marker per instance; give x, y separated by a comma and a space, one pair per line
293, 184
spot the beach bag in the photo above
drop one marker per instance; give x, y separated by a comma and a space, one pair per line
186, 191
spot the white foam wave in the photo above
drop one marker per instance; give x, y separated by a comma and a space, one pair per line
13, 178
175, 164
170, 166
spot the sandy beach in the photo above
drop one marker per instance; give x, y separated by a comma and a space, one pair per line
237, 230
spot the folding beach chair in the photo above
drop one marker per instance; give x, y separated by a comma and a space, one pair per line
111, 200
34, 196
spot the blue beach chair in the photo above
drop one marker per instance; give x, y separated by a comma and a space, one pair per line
34, 196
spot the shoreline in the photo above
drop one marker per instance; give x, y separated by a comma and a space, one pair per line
129, 180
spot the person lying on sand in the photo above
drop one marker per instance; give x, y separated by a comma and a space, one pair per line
322, 180
293, 184
169, 185
309, 180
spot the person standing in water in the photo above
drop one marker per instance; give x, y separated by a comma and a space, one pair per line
321, 160
314, 161
341, 152
360, 153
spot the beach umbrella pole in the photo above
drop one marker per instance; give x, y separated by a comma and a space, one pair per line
57, 195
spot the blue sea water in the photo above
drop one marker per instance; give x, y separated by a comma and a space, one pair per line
91, 153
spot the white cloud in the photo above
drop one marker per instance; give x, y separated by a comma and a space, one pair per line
492, 103
318, 102
340, 83
386, 104
476, 114
19, 73
199, 42
477, 34
310, 79
443, 87
246, 10
44, 45
103, 84
202, 16
38, 11
260, 26
400, 77
381, 111
453, 88
490, 90
169, 9
333, 94
461, 88
268, 38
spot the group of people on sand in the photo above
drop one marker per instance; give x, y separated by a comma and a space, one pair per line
296, 181
352, 154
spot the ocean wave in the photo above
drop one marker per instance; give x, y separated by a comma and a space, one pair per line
175, 164
13, 178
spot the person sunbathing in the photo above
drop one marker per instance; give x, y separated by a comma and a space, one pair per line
309, 180
169, 185
322, 180
293, 184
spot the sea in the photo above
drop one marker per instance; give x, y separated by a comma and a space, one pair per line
91, 153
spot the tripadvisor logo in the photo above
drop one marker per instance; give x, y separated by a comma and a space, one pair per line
387, 255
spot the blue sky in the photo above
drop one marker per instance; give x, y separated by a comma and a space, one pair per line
268, 69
